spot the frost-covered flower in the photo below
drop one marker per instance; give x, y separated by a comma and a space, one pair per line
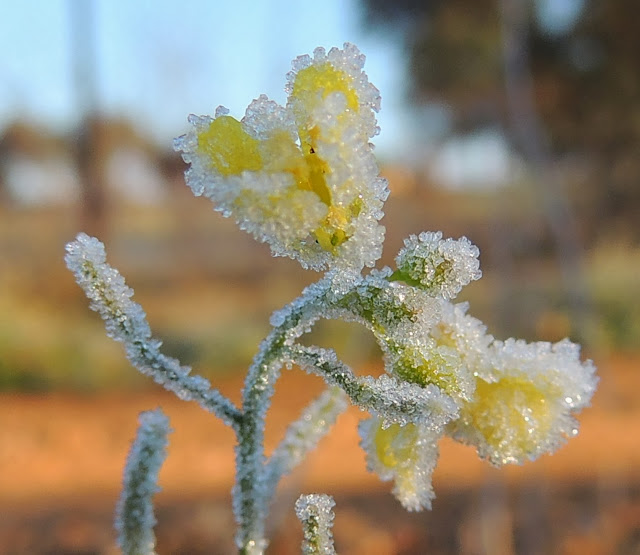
301, 177
463, 333
440, 266
525, 399
405, 454
430, 364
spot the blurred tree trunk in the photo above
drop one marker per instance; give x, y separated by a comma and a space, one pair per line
90, 163
90, 153
528, 134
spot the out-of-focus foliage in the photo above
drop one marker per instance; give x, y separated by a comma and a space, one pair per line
586, 80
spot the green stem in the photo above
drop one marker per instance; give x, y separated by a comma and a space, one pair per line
250, 494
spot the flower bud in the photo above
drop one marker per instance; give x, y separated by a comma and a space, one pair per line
441, 267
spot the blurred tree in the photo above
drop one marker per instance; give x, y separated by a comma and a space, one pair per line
90, 157
585, 82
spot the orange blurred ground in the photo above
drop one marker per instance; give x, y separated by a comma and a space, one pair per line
66, 451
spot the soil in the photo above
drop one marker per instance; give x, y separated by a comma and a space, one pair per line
61, 459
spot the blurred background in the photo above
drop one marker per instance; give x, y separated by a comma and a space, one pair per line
513, 122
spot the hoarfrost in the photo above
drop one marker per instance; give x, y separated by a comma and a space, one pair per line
134, 512
315, 511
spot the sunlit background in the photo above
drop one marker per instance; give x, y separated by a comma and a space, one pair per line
513, 122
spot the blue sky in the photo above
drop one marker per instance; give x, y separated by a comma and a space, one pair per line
157, 61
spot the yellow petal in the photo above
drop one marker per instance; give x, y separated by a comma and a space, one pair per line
513, 415
396, 444
228, 148
322, 80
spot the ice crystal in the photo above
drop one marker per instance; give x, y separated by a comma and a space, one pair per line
441, 266
433, 364
302, 177
465, 334
304, 434
316, 514
405, 454
525, 400
134, 513
126, 322
390, 310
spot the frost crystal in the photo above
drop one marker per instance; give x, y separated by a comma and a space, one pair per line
525, 400
316, 514
134, 513
304, 434
442, 267
397, 402
302, 177
405, 454
465, 334
126, 322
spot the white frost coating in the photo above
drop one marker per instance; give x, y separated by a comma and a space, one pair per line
298, 316
391, 310
106, 289
441, 266
397, 402
525, 400
334, 225
354, 176
405, 454
350, 60
134, 512
402, 319
315, 512
126, 322
304, 434
466, 334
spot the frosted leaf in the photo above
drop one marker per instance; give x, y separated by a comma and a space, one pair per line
405, 454
303, 177
440, 266
134, 512
106, 289
315, 512
126, 322
524, 403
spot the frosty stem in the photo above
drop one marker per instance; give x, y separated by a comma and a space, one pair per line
251, 493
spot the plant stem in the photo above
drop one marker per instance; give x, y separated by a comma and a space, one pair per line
251, 493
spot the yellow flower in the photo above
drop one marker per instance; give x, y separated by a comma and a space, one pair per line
524, 402
405, 454
301, 177
428, 363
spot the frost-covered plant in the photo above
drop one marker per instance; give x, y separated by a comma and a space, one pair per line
303, 178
